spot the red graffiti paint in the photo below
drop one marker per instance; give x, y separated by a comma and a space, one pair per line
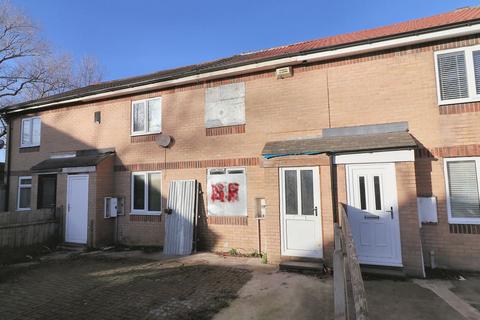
233, 192
218, 192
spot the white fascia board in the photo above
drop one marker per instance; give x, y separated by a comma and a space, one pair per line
281, 62
375, 157
79, 169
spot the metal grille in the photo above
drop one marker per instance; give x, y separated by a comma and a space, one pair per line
180, 223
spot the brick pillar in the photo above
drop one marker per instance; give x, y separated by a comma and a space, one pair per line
271, 224
326, 213
412, 256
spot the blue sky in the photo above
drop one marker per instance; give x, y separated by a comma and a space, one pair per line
134, 37
140, 36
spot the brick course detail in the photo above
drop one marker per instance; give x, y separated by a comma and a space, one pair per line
465, 228
143, 138
225, 130
188, 164
235, 221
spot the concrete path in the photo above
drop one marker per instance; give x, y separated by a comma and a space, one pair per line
443, 289
282, 295
399, 300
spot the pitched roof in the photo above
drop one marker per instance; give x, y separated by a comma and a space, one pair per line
444, 20
89, 158
339, 144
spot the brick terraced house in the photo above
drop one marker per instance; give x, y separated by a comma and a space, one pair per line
385, 121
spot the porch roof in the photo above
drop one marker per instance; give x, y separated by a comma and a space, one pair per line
80, 159
339, 144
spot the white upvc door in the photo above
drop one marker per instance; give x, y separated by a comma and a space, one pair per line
300, 212
77, 209
373, 213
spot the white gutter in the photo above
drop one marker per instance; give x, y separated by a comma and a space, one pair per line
273, 64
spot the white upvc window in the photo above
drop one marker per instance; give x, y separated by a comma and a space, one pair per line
458, 75
146, 193
462, 177
31, 132
147, 116
24, 193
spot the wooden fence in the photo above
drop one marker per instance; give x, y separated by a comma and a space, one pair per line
349, 291
20, 229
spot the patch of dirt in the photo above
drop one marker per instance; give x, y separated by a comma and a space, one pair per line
446, 274
10, 256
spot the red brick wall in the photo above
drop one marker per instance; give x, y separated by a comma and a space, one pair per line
395, 85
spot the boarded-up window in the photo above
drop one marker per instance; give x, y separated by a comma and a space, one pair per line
227, 192
225, 105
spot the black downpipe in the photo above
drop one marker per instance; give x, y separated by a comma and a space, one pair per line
333, 180
7, 163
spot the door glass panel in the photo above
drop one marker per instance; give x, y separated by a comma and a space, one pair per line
291, 192
363, 195
306, 182
378, 195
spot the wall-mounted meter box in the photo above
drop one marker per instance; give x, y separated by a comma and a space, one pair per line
113, 207
260, 208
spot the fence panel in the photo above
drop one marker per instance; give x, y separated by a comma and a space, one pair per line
349, 290
20, 229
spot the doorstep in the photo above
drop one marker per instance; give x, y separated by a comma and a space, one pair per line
299, 264
383, 271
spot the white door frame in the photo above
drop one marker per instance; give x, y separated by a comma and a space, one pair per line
390, 188
69, 178
318, 217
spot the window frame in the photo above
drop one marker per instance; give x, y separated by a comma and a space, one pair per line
146, 130
145, 212
451, 219
22, 145
24, 186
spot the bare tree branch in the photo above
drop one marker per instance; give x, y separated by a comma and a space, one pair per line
28, 68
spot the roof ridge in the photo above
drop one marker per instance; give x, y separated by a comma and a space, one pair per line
359, 31
458, 16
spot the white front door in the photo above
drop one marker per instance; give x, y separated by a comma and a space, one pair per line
300, 211
77, 209
373, 213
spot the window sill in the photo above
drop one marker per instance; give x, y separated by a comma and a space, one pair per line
144, 134
23, 209
464, 221
145, 213
29, 147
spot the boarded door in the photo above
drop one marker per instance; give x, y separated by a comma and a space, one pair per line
181, 221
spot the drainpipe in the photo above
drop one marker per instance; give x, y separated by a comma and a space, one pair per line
333, 181
6, 178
